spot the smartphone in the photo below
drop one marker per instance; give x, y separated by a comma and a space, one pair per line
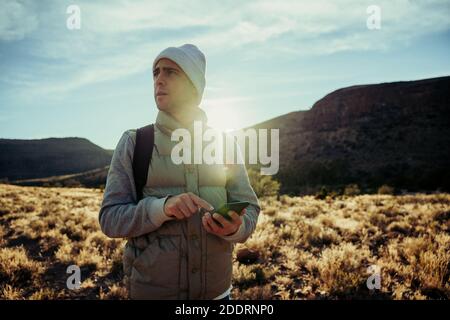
237, 206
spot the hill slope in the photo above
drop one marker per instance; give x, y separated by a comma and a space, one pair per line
395, 133
31, 159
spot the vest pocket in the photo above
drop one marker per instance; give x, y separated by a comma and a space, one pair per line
159, 264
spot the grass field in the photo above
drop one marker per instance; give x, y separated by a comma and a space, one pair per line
303, 248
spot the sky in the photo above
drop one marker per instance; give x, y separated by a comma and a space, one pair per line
263, 58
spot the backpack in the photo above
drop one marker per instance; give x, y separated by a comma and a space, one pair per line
145, 140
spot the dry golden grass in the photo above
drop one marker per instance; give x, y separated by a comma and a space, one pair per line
308, 248
43, 231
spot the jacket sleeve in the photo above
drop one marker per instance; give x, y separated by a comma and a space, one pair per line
120, 216
239, 189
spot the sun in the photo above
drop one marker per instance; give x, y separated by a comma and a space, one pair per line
224, 114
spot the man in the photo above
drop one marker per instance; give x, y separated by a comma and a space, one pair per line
175, 250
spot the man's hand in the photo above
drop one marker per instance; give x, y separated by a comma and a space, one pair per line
229, 227
184, 205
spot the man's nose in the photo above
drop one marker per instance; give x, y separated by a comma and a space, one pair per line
160, 79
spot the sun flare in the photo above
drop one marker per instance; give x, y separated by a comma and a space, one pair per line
225, 114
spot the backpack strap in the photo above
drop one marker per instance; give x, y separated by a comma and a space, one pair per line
145, 140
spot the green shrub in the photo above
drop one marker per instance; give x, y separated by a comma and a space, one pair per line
322, 193
263, 185
352, 190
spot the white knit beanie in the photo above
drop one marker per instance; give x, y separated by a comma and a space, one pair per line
191, 60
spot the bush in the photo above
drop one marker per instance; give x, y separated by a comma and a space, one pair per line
352, 190
322, 194
342, 268
385, 189
263, 185
72, 183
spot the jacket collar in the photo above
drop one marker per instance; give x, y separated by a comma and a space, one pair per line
166, 123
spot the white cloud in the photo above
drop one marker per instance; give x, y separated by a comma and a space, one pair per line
109, 68
121, 38
16, 20
128, 16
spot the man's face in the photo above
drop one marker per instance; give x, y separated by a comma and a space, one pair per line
173, 90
